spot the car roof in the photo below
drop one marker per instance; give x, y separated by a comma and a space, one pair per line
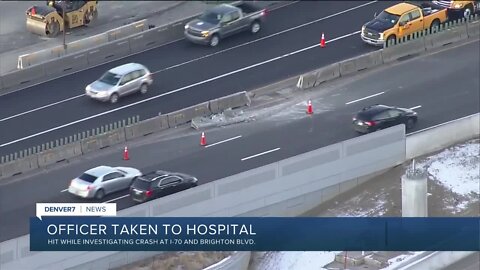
223, 9
100, 171
160, 174
373, 110
400, 9
126, 68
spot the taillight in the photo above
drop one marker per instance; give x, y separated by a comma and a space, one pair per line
148, 193
370, 123
264, 12
89, 187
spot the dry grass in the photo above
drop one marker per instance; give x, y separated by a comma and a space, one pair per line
177, 261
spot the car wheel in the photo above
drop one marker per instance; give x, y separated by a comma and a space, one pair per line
114, 98
435, 26
100, 194
214, 40
255, 28
391, 40
410, 123
143, 89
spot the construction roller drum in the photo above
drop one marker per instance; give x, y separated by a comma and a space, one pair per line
48, 20
44, 21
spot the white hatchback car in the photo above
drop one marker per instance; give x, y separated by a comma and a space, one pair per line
120, 81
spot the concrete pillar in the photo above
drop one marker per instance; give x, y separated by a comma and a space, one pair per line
414, 193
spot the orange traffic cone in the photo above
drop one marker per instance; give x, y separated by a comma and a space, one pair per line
203, 140
309, 107
322, 41
125, 154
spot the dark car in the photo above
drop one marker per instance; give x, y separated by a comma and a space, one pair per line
377, 117
160, 183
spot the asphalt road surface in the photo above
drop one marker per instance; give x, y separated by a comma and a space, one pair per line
442, 87
188, 74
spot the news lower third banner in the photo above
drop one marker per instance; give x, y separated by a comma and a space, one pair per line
253, 234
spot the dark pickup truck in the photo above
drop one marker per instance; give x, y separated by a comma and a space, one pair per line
224, 20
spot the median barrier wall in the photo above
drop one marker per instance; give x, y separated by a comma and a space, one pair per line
447, 35
126, 30
183, 116
108, 52
24, 77
473, 29
19, 166
103, 140
361, 62
404, 48
146, 127
69, 63
84, 44
59, 154
229, 102
446, 134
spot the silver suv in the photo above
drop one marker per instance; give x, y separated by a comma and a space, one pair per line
120, 81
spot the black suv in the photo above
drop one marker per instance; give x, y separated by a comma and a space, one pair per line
160, 183
377, 117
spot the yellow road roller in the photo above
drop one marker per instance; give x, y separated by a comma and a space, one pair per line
48, 20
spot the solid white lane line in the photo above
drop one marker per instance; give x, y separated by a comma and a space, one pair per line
64, 190
40, 108
208, 55
116, 199
416, 107
175, 91
266, 37
227, 140
360, 99
260, 154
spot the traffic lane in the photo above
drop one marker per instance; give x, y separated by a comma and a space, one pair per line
432, 88
322, 123
203, 69
165, 56
244, 79
435, 84
471, 262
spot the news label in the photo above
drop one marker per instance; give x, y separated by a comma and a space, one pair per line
76, 209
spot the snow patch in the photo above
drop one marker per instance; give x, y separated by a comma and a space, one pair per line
292, 260
457, 168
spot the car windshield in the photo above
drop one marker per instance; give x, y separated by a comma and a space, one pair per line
87, 178
388, 18
110, 78
141, 184
211, 17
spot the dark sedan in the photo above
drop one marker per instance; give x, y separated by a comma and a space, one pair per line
160, 183
378, 117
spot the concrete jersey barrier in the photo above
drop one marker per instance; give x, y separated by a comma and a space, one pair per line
446, 134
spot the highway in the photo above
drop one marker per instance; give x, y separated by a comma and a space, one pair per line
187, 74
442, 87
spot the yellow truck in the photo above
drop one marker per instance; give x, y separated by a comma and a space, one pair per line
457, 9
402, 20
49, 21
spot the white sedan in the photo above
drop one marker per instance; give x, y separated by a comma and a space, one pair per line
102, 180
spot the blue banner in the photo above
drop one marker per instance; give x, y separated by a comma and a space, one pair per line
253, 234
